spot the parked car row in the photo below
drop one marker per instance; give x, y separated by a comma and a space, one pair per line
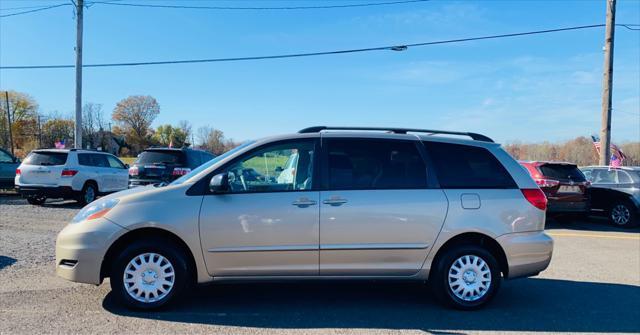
598, 190
84, 175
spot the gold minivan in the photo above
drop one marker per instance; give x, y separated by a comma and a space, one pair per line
360, 203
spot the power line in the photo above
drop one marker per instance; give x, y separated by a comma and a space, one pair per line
399, 47
36, 10
23, 7
370, 4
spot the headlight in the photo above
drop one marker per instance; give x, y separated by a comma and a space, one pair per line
96, 210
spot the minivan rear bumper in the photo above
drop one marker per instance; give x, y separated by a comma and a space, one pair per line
527, 253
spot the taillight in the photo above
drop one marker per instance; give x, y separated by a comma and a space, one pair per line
133, 171
536, 197
541, 182
180, 171
18, 172
68, 173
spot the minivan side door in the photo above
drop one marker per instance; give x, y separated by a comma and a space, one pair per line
262, 227
378, 215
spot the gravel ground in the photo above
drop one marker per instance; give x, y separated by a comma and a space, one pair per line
592, 285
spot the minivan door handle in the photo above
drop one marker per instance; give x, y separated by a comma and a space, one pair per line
304, 202
335, 201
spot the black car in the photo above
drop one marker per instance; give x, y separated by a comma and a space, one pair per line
615, 192
163, 165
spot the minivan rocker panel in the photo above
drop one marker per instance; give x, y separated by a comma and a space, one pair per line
310, 230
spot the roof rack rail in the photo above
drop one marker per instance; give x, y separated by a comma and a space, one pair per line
474, 136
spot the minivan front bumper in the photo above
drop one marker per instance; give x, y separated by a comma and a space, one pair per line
80, 249
527, 253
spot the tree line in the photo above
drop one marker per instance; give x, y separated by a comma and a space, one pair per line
129, 130
126, 131
579, 150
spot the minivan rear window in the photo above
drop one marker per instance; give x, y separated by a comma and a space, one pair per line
167, 157
466, 167
562, 172
46, 158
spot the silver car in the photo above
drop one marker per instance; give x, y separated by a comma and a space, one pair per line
363, 203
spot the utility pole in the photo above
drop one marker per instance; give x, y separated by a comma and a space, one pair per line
6, 96
605, 131
39, 133
77, 143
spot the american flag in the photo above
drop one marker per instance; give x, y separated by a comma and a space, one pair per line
59, 144
617, 156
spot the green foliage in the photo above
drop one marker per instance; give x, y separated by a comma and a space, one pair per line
167, 134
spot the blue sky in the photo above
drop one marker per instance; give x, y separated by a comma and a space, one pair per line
534, 88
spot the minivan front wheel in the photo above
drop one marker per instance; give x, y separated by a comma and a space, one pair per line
148, 274
466, 277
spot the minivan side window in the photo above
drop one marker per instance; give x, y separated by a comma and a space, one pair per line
367, 164
466, 167
264, 170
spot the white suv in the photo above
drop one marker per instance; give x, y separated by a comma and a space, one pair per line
69, 174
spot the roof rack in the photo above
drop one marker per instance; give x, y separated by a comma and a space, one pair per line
474, 136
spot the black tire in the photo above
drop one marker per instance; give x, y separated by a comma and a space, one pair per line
623, 214
164, 248
84, 197
36, 200
439, 278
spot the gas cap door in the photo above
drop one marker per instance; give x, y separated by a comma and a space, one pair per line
470, 200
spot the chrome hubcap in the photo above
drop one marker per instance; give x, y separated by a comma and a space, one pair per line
469, 278
620, 214
149, 277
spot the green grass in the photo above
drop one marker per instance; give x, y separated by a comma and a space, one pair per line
258, 164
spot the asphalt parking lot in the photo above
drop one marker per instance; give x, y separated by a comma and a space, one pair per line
592, 285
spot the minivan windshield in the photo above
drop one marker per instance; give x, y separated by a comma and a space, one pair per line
210, 163
46, 158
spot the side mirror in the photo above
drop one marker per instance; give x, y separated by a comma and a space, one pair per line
219, 183
126, 166
279, 169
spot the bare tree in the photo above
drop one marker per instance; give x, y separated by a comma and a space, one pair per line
92, 124
135, 115
212, 139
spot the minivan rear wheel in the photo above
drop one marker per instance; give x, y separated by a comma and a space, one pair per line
465, 277
149, 274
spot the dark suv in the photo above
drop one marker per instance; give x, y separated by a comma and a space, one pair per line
158, 165
564, 185
615, 192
